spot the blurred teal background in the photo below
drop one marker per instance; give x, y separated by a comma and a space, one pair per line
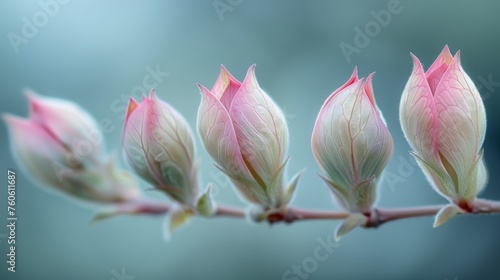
97, 53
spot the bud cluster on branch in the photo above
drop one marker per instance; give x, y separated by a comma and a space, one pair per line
245, 132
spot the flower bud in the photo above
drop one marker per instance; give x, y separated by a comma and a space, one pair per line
443, 118
352, 144
60, 146
246, 133
158, 145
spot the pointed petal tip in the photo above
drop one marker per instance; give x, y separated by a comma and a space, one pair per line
225, 72
446, 49
203, 89
223, 68
132, 105
369, 88
414, 58
9, 119
417, 65
369, 78
35, 100
250, 76
30, 94
251, 70
354, 74
454, 62
352, 80
152, 93
12, 120
446, 54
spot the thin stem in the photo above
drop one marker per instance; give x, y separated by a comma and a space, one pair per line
375, 218
380, 216
305, 214
149, 206
229, 211
487, 206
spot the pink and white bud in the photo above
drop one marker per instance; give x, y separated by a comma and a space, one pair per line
61, 146
246, 133
443, 118
351, 144
158, 145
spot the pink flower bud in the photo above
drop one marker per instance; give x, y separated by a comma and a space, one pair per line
245, 132
61, 146
443, 118
158, 145
352, 144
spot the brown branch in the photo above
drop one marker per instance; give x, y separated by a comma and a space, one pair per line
375, 218
229, 211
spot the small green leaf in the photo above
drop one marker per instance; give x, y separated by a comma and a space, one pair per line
274, 191
482, 174
250, 189
120, 209
353, 221
436, 173
445, 214
340, 193
339, 189
104, 215
179, 218
206, 204
290, 190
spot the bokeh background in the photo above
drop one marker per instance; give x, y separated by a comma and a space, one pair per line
97, 53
